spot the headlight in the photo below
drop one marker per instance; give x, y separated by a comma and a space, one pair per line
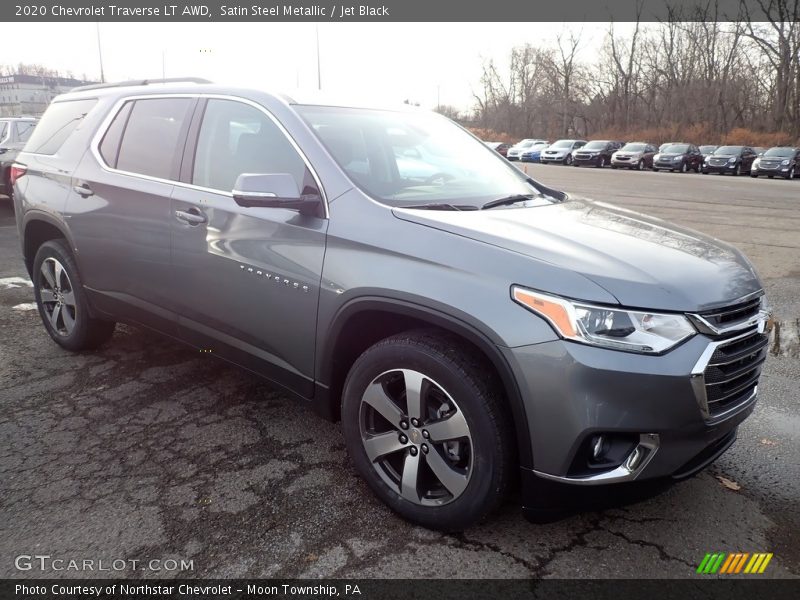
657, 157
785, 163
677, 158
618, 329
732, 159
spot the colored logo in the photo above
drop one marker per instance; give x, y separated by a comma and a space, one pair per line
734, 563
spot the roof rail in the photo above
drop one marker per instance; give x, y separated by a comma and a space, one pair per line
133, 82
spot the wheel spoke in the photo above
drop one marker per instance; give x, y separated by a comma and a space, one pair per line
453, 480
54, 316
453, 427
408, 486
48, 274
69, 298
413, 393
376, 397
378, 446
58, 272
67, 318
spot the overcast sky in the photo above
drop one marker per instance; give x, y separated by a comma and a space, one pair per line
401, 60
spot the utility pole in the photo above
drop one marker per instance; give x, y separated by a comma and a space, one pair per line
100, 54
319, 73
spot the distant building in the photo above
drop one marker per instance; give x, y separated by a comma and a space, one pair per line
29, 95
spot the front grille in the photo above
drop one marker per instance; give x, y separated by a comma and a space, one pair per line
733, 371
730, 315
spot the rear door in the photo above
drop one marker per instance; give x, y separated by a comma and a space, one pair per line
119, 208
246, 281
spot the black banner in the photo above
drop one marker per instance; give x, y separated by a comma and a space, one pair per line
399, 10
403, 589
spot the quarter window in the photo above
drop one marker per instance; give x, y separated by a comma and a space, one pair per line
3, 130
58, 122
237, 138
109, 147
151, 140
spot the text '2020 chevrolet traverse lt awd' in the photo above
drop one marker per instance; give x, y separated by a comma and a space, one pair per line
461, 319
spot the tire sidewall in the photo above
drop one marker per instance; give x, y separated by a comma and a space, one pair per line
471, 504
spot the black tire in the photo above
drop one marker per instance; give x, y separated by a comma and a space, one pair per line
85, 333
640, 165
460, 371
738, 170
568, 160
753, 175
684, 167
790, 174
602, 162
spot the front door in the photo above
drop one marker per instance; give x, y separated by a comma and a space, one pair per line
245, 281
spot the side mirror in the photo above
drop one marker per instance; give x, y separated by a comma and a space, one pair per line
273, 190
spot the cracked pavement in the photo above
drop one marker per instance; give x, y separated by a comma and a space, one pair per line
146, 449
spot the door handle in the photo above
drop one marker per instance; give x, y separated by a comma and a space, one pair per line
191, 216
83, 190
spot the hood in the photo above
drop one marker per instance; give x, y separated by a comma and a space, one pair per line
642, 261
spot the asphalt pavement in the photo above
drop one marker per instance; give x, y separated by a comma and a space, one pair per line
147, 451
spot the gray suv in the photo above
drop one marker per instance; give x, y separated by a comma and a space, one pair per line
465, 322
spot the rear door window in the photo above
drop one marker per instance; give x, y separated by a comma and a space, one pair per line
153, 138
58, 122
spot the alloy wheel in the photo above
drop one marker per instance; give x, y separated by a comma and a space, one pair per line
416, 437
58, 297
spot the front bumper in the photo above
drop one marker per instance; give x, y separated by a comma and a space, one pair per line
585, 160
726, 168
574, 392
779, 170
552, 158
624, 162
676, 164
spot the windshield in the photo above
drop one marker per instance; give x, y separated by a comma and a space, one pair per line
728, 150
525, 144
676, 149
595, 146
780, 152
707, 149
633, 148
562, 144
414, 158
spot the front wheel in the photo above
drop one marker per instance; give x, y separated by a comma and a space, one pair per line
568, 160
426, 427
602, 162
62, 301
684, 167
738, 170
790, 174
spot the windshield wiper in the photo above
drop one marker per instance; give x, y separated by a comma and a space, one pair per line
442, 206
513, 199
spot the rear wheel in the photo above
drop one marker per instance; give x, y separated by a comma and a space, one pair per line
426, 427
62, 301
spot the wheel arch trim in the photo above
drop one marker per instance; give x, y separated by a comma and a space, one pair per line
477, 334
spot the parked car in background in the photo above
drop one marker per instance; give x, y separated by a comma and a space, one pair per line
500, 147
782, 161
730, 159
759, 150
679, 156
560, 151
707, 150
663, 146
534, 152
540, 338
14, 132
596, 153
517, 149
634, 155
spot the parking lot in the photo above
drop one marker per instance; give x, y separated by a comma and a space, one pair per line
145, 450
